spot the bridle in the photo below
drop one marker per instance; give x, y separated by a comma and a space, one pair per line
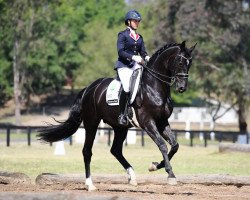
158, 76
182, 75
161, 77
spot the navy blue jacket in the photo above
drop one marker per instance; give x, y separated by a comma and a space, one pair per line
127, 46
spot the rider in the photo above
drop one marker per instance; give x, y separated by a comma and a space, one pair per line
131, 52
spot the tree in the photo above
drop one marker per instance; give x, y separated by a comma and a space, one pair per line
41, 40
17, 25
99, 44
222, 60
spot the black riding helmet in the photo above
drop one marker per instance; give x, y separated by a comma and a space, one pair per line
132, 14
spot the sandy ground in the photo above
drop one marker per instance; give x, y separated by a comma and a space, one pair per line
140, 192
73, 189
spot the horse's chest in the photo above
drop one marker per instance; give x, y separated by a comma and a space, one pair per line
169, 106
163, 107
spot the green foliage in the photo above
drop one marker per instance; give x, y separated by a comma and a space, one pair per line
99, 45
61, 40
57, 40
5, 88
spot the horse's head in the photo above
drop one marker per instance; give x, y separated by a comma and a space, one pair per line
181, 66
171, 64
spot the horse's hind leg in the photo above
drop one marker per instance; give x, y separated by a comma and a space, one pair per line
87, 154
116, 149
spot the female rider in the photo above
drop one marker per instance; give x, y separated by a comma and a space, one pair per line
131, 52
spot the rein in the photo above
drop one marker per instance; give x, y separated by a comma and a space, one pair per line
157, 74
172, 78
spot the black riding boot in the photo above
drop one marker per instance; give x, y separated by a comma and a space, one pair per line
123, 104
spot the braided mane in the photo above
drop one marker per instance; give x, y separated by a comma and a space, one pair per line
159, 51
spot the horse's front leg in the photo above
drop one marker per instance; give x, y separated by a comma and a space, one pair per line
169, 136
152, 131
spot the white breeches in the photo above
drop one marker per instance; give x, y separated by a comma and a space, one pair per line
125, 74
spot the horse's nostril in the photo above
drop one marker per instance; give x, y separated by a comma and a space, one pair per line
181, 89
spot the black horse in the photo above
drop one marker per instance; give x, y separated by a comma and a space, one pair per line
152, 107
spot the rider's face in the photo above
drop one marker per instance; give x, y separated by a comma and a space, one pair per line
134, 23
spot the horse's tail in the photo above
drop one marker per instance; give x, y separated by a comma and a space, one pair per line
63, 130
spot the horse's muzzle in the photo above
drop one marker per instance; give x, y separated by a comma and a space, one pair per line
181, 89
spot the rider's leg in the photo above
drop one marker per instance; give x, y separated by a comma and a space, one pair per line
124, 75
123, 105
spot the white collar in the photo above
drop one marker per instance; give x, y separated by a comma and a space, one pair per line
131, 30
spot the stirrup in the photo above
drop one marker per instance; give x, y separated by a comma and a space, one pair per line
122, 120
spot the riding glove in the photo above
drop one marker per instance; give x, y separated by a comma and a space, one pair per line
137, 59
147, 58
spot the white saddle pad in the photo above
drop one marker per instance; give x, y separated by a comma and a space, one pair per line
114, 88
112, 95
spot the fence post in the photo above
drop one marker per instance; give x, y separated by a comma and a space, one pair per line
8, 137
191, 138
205, 139
220, 136
28, 135
235, 137
247, 137
109, 136
142, 138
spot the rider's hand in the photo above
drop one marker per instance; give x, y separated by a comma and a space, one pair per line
137, 59
147, 58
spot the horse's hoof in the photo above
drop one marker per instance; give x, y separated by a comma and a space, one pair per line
91, 188
172, 181
132, 182
131, 176
152, 167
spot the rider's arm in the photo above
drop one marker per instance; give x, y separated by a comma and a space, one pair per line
121, 47
143, 51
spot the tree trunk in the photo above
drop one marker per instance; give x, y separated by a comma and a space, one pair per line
242, 115
17, 89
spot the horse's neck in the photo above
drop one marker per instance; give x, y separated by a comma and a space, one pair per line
160, 72
164, 61
158, 79
153, 85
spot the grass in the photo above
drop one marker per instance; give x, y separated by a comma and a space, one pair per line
39, 158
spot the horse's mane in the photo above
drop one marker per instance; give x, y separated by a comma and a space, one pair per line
159, 51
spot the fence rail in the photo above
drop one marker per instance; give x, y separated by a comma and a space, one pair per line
219, 135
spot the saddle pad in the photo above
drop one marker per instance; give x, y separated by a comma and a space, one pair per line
115, 87
112, 94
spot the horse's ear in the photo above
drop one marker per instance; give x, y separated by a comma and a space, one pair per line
192, 48
183, 44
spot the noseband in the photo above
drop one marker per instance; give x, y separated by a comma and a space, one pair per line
161, 77
182, 75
